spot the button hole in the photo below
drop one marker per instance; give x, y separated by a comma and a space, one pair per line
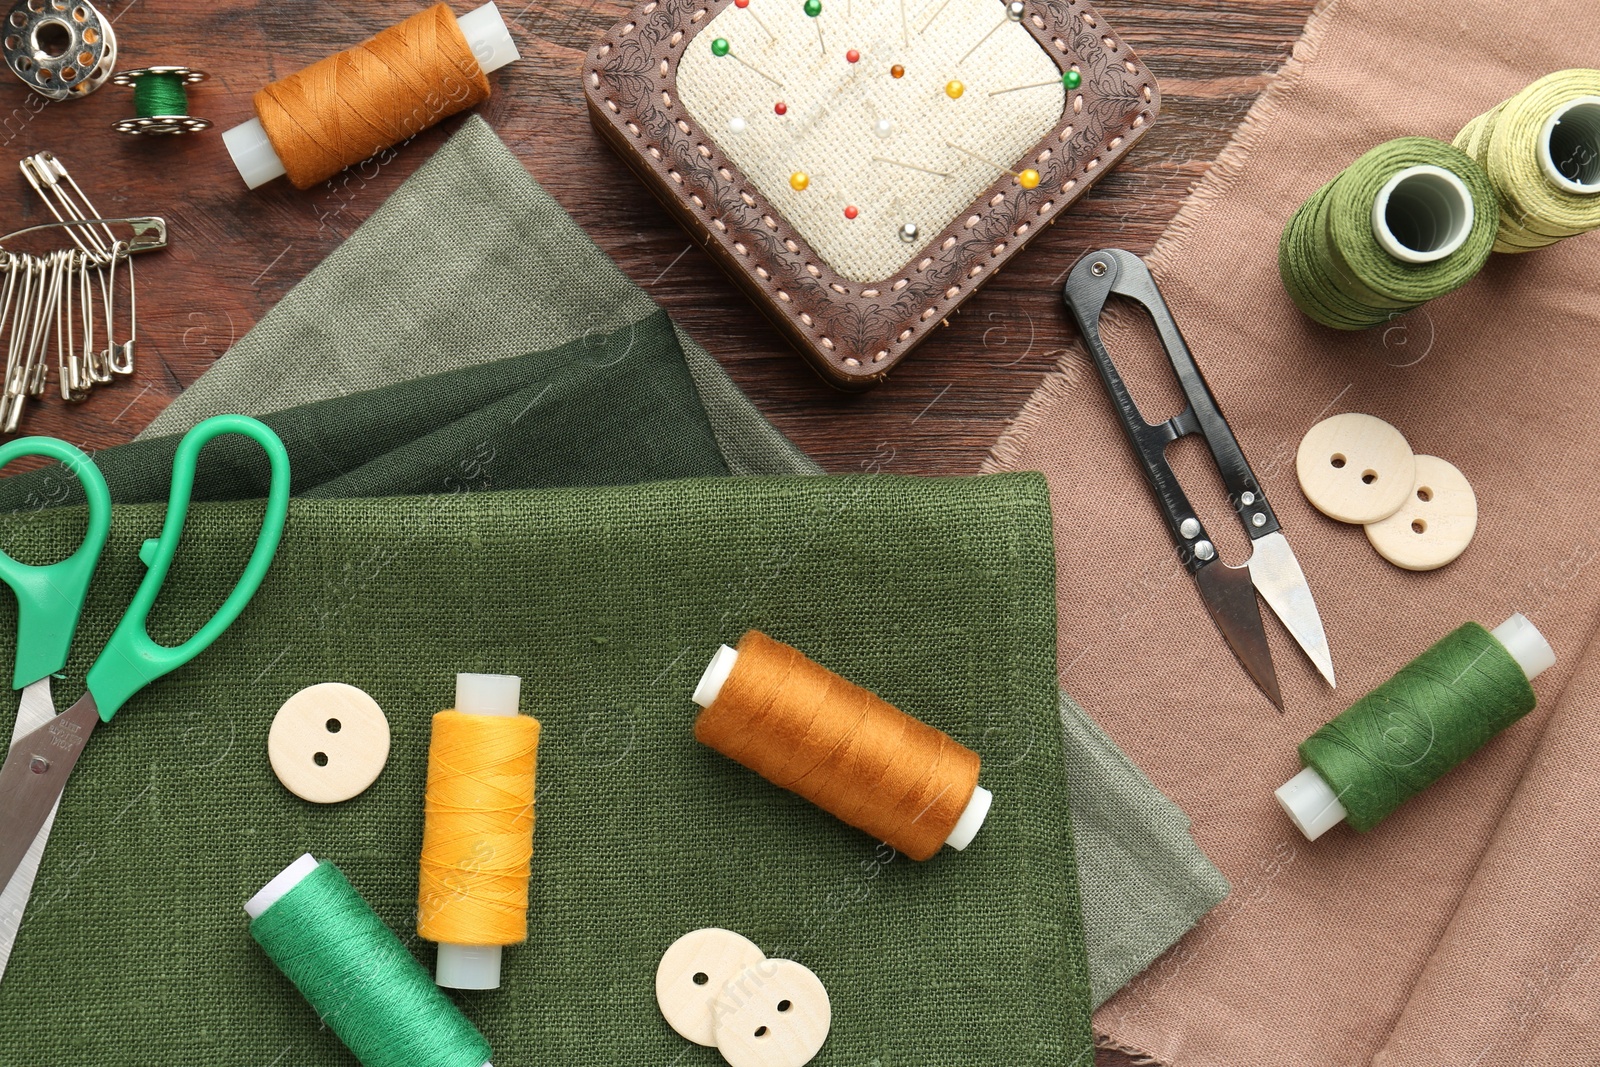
1337, 460
761, 1031
1418, 526
333, 726
1368, 477
784, 1005
701, 978
320, 759
1424, 494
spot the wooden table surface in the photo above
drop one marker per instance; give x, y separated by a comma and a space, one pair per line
235, 253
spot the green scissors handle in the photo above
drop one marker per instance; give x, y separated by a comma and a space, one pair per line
50, 599
132, 660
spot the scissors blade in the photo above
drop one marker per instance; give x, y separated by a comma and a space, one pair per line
1282, 584
36, 710
34, 774
1230, 596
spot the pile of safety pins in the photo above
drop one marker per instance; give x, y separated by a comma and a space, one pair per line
51, 298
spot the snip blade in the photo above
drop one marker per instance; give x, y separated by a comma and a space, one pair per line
34, 774
1230, 596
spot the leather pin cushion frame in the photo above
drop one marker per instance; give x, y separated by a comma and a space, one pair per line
855, 333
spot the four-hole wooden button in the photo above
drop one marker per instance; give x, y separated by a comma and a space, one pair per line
1436, 522
1355, 468
328, 742
692, 974
775, 1013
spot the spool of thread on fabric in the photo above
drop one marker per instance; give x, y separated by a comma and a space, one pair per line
350, 106
1408, 222
477, 843
1541, 149
356, 974
1410, 731
853, 754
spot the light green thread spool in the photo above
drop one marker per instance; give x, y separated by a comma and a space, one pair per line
357, 975
1541, 149
1408, 222
1410, 731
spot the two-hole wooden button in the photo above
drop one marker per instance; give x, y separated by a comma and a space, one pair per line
1436, 522
719, 989
328, 742
1355, 468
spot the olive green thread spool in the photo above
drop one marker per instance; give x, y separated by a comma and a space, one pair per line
1410, 731
1406, 223
356, 974
1541, 149
160, 101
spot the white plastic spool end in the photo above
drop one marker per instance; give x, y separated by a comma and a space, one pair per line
1422, 214
966, 828
285, 880
468, 967
478, 966
488, 694
715, 676
487, 35
1569, 149
1526, 645
253, 153
1310, 803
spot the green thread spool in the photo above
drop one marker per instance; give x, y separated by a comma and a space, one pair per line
356, 974
1541, 149
160, 101
1408, 222
1410, 731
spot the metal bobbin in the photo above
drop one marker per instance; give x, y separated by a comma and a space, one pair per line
61, 49
159, 125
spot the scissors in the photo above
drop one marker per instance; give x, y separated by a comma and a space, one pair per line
1229, 593
45, 746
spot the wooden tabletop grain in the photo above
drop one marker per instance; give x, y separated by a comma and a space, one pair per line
235, 253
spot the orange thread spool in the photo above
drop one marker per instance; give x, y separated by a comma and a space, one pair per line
477, 841
353, 105
853, 754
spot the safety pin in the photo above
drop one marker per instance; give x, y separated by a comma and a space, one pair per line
149, 232
46, 173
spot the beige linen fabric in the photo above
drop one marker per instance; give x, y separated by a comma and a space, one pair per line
1461, 931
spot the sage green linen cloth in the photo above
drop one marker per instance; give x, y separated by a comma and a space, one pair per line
608, 602
471, 264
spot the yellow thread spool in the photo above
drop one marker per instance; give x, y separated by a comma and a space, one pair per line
477, 842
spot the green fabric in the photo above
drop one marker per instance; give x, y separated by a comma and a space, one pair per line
608, 602
471, 262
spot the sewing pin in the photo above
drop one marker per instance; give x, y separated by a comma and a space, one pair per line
721, 47
1071, 79
1028, 179
813, 8
933, 16
1014, 11
744, 5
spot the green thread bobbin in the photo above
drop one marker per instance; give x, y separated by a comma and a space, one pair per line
355, 973
160, 101
1541, 149
1409, 221
1409, 732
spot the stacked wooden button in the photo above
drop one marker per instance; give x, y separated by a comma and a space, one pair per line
1419, 512
719, 989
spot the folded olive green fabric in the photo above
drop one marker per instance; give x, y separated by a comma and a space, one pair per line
608, 602
465, 269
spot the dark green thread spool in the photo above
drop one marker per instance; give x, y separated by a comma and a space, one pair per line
1408, 222
1413, 729
359, 978
160, 101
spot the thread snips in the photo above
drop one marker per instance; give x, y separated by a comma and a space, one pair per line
1272, 570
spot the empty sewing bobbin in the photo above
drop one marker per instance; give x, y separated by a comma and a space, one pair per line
845, 749
61, 49
160, 101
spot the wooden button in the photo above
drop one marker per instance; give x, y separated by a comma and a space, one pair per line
1355, 468
328, 742
773, 1014
1434, 525
692, 973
